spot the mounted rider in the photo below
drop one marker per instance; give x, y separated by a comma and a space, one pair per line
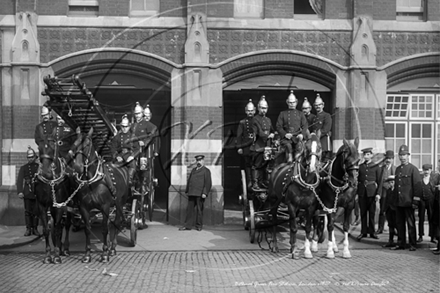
244, 140
122, 148
64, 137
263, 131
323, 122
45, 130
25, 191
291, 123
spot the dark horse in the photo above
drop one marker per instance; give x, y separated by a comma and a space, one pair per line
53, 192
339, 183
95, 194
295, 184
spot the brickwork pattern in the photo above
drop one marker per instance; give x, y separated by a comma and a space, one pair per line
338, 9
7, 7
198, 116
173, 8
433, 10
384, 10
58, 42
25, 5
396, 45
223, 8
224, 271
50, 7
22, 121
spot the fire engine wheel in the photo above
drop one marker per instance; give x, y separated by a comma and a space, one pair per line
151, 202
135, 218
252, 221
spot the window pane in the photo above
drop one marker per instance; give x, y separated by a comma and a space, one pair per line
415, 146
415, 130
389, 130
427, 131
400, 130
415, 160
426, 146
248, 8
137, 5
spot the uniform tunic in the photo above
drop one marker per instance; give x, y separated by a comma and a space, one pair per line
262, 127
245, 135
122, 145
142, 131
64, 138
291, 121
24, 180
43, 130
323, 122
310, 119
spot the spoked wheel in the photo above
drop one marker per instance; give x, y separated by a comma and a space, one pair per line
151, 202
135, 219
244, 201
252, 221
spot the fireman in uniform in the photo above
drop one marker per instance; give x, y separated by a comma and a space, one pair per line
45, 128
323, 122
369, 191
64, 137
310, 117
122, 148
291, 123
25, 191
263, 131
156, 143
144, 133
244, 140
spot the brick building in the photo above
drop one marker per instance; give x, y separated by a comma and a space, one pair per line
197, 62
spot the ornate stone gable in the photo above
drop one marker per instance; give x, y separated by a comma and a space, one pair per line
363, 49
197, 46
25, 46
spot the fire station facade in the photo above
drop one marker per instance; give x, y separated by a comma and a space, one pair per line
375, 64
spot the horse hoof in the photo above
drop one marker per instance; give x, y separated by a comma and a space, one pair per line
335, 249
86, 259
275, 250
66, 253
346, 255
57, 260
47, 260
112, 252
295, 255
330, 255
308, 255
104, 259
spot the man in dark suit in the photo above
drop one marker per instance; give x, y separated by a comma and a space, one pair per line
197, 189
388, 169
407, 190
310, 117
46, 128
244, 140
25, 191
290, 124
369, 181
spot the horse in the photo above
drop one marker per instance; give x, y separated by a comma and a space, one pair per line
295, 184
53, 191
339, 183
90, 171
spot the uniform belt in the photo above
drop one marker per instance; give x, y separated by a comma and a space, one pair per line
366, 182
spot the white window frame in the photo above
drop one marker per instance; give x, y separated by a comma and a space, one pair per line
394, 139
407, 109
409, 12
145, 12
413, 154
411, 106
83, 3
239, 13
437, 134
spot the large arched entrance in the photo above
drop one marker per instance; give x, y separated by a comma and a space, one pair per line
274, 75
118, 79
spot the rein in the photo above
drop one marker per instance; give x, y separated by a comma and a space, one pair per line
99, 174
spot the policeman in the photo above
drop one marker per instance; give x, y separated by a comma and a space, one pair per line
369, 191
45, 128
323, 122
25, 191
244, 140
147, 113
64, 137
310, 117
290, 124
263, 131
156, 143
122, 148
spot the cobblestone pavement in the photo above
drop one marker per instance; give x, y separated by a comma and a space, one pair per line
370, 270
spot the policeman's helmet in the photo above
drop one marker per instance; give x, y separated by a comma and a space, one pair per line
318, 100
292, 96
138, 108
250, 106
60, 120
263, 102
306, 104
147, 112
30, 152
45, 111
125, 122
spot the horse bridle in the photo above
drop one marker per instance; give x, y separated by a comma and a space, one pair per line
86, 163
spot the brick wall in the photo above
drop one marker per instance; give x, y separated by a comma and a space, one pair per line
114, 7
50, 7
173, 8
384, 10
22, 121
7, 7
223, 8
362, 7
25, 5
338, 9
433, 10
278, 9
